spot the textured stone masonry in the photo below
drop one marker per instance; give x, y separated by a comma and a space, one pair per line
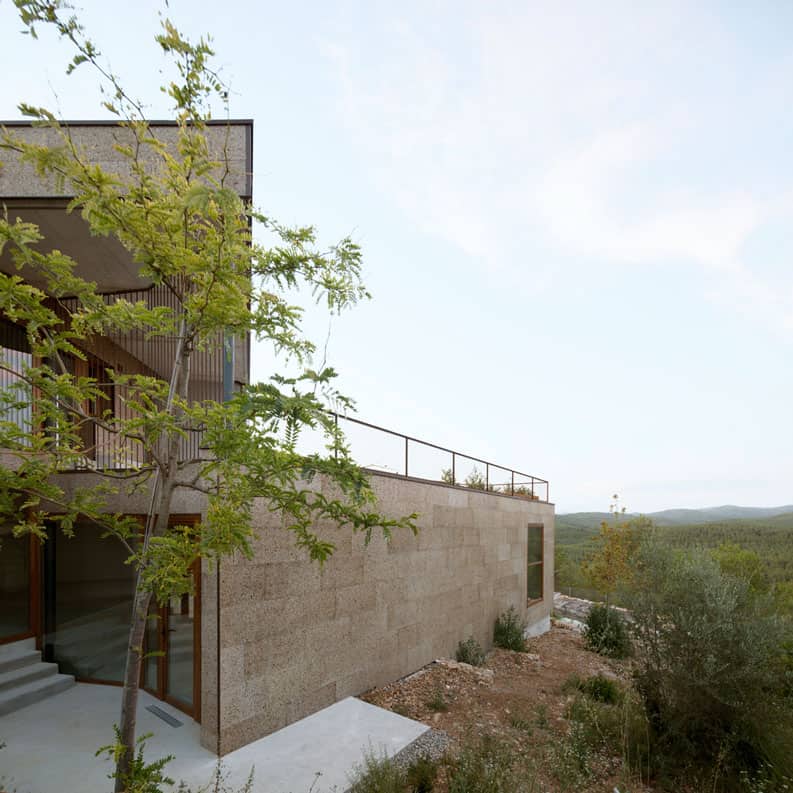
296, 637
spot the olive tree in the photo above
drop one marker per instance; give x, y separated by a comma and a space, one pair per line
713, 667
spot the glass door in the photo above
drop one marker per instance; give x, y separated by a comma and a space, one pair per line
172, 658
18, 555
88, 594
180, 620
152, 652
16, 613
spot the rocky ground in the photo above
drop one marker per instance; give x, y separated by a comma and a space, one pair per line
570, 607
517, 698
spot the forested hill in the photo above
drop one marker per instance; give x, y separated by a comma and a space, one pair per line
676, 517
768, 535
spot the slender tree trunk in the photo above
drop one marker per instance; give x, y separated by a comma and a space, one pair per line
129, 696
134, 660
157, 525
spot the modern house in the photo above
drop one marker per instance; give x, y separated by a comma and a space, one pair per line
259, 643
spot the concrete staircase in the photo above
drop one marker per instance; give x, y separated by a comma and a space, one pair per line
25, 678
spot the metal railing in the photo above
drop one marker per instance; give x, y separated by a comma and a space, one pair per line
517, 483
104, 449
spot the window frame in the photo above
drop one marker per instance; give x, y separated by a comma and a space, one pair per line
539, 563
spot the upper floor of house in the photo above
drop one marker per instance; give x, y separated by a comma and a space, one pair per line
214, 372
26, 195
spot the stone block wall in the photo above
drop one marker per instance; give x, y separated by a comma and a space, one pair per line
295, 637
97, 141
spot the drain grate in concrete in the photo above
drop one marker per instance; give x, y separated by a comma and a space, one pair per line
166, 717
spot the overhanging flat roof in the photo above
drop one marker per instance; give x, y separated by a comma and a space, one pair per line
103, 260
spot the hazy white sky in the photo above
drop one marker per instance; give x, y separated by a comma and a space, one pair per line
576, 219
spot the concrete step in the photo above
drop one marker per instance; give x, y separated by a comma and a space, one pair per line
109, 649
20, 656
72, 633
26, 674
89, 657
119, 612
67, 647
21, 696
14, 647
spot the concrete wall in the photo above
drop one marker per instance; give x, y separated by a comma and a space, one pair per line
295, 638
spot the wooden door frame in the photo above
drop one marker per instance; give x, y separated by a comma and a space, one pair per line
195, 710
161, 692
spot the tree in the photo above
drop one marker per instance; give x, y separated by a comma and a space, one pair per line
742, 563
565, 570
190, 233
610, 564
713, 668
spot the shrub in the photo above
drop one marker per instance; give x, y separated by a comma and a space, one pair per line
764, 780
521, 723
572, 684
475, 480
620, 729
711, 668
522, 490
401, 709
438, 703
508, 631
447, 476
570, 759
142, 777
783, 597
598, 688
377, 775
605, 632
470, 652
218, 784
602, 689
421, 775
484, 767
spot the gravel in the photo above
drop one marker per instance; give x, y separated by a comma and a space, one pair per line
431, 744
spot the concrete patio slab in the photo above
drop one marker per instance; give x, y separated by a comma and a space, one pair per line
50, 745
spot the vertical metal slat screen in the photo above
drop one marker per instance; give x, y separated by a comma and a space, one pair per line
15, 356
135, 354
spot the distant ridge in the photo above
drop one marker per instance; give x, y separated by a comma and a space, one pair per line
671, 517
678, 517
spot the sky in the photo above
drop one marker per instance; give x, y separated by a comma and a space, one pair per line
576, 219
